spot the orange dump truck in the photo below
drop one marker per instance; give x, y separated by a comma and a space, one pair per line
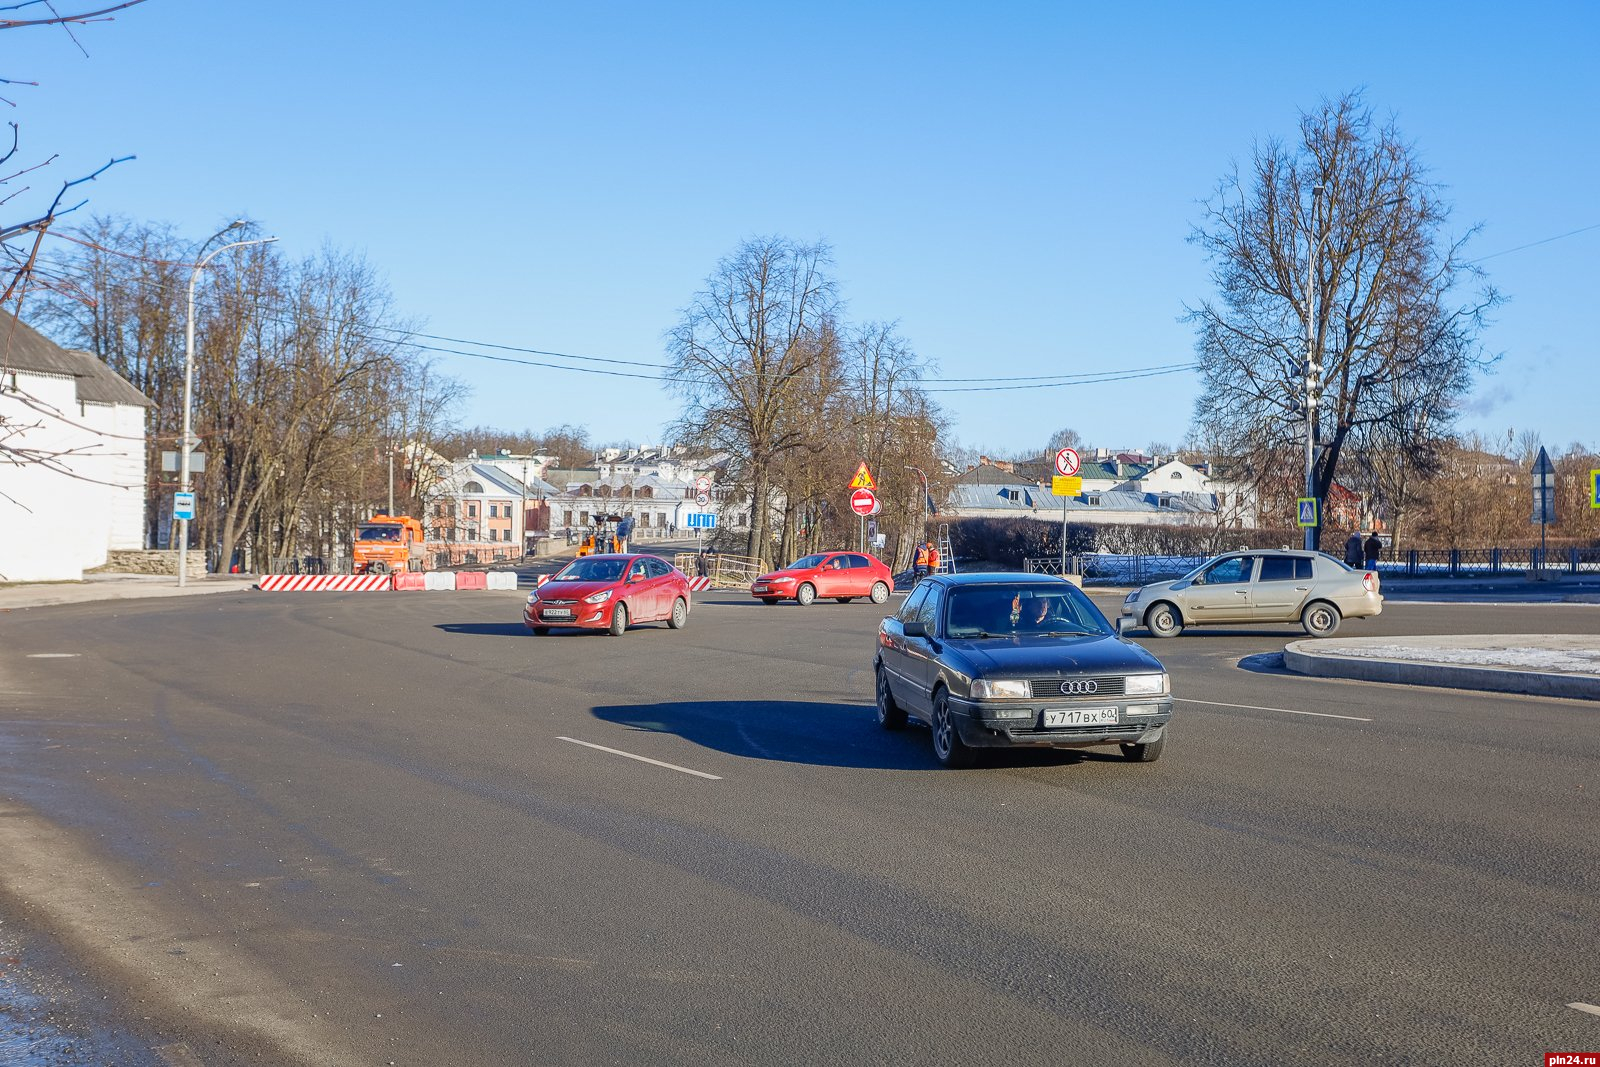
387, 543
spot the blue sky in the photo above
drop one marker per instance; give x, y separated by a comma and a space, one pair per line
1013, 183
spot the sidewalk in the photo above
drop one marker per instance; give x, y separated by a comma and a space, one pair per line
1554, 665
116, 587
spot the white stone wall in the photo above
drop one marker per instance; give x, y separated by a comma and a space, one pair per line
55, 523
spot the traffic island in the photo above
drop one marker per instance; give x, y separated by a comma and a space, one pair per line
1551, 665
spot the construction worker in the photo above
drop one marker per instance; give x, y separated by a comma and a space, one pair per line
919, 567
933, 559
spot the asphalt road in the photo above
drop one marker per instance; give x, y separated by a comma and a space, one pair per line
346, 828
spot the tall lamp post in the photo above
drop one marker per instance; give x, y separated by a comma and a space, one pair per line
924, 478
1313, 364
188, 442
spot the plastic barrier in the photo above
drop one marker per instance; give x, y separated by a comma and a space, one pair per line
410, 580
699, 583
439, 580
502, 579
323, 583
472, 579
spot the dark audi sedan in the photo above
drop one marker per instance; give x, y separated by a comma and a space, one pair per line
997, 660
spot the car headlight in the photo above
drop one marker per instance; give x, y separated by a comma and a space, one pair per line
598, 598
1144, 684
780, 578
985, 689
1131, 597
533, 598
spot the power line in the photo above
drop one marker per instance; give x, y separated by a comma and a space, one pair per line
1536, 244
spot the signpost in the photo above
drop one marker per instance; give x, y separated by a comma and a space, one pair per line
700, 520
183, 506
863, 478
1062, 486
1306, 515
1594, 489
1544, 498
702, 499
864, 502
1067, 462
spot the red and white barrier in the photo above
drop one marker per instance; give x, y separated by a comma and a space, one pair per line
699, 583
409, 580
502, 579
472, 579
325, 583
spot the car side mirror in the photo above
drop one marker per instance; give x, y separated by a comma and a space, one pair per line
1119, 624
914, 629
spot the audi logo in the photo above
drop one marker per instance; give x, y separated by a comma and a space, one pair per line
1079, 687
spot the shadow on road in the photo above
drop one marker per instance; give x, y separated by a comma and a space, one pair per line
484, 629
788, 731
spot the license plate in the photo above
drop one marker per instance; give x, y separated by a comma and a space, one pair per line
1080, 716
759, 588
555, 613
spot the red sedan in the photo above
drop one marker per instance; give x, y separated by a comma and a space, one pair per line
610, 593
841, 575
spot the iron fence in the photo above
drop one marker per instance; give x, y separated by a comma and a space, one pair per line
1115, 569
312, 565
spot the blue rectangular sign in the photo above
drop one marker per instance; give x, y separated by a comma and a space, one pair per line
1594, 489
1306, 512
183, 506
700, 520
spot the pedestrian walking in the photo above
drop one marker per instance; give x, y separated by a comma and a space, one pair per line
1352, 550
1373, 547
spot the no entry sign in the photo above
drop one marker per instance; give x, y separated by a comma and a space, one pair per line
863, 501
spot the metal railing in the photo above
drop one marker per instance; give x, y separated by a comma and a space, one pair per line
1111, 568
725, 572
312, 565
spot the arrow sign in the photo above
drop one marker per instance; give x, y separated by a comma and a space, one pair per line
863, 478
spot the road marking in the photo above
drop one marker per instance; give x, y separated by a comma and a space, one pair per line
1286, 711
1581, 1006
54, 655
642, 759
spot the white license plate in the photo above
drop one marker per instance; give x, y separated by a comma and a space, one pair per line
1080, 716
759, 588
555, 613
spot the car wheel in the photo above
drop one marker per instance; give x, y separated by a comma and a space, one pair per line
880, 592
619, 619
844, 599
948, 747
680, 614
1163, 620
1148, 752
541, 631
806, 594
891, 716
1321, 619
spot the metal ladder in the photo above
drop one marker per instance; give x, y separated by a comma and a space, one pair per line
947, 559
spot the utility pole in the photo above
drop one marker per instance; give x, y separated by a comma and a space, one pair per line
1313, 375
391, 482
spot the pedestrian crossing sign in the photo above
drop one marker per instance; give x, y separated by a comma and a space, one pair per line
863, 478
1307, 506
1594, 489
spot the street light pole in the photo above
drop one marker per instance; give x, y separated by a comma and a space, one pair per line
924, 478
1313, 366
188, 442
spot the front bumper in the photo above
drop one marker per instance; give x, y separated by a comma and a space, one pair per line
584, 617
981, 726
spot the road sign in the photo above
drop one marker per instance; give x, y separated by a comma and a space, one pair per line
1066, 486
1544, 489
1594, 489
703, 499
700, 520
863, 478
702, 484
183, 506
1067, 462
863, 501
1306, 512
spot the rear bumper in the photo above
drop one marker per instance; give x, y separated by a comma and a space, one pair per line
981, 728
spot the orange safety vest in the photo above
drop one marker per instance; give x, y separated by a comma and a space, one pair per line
933, 559
922, 555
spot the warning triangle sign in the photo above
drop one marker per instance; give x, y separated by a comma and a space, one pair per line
863, 478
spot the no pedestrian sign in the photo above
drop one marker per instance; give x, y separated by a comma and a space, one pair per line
1067, 462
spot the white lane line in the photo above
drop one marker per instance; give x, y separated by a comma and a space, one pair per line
54, 655
1581, 1006
642, 759
1286, 711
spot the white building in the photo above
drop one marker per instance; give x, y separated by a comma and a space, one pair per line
72, 459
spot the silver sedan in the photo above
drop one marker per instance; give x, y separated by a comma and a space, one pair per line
1260, 585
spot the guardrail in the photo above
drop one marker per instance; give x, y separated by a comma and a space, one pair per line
1111, 568
725, 572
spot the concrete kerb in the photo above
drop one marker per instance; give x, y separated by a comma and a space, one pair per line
1344, 658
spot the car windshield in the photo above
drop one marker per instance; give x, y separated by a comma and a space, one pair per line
1002, 610
378, 533
590, 569
805, 563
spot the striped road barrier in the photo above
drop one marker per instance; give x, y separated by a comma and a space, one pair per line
699, 583
330, 583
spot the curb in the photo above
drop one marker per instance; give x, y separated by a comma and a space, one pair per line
1300, 657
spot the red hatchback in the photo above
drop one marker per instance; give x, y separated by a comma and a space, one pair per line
841, 575
610, 593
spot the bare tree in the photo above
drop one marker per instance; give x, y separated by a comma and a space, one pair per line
747, 350
1383, 301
